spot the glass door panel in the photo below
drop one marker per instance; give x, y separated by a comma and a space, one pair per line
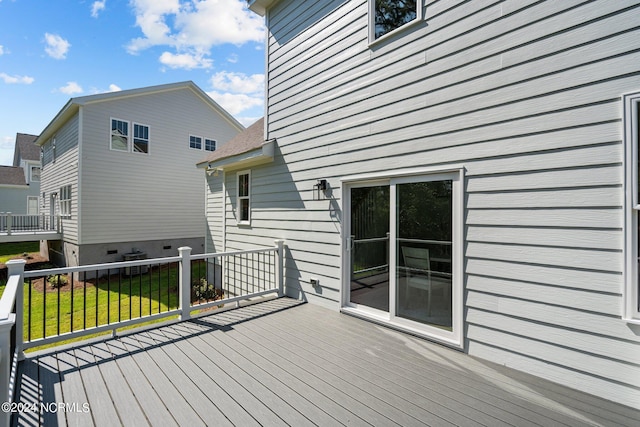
424, 252
369, 247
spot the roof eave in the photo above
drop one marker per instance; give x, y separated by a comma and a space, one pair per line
260, 6
258, 156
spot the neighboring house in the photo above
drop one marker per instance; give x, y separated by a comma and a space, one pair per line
119, 168
20, 183
466, 172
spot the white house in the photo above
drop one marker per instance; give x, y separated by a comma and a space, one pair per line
463, 171
20, 183
119, 168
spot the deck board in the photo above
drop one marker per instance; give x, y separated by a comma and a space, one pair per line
101, 405
281, 362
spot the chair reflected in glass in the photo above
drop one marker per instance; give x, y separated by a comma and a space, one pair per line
417, 264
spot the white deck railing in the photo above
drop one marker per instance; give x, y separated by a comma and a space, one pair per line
107, 297
12, 223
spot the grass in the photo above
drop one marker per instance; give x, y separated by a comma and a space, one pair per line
16, 250
107, 300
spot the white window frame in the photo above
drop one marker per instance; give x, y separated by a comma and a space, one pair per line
37, 205
372, 25
195, 148
133, 138
31, 168
64, 201
239, 198
631, 106
129, 133
210, 141
456, 173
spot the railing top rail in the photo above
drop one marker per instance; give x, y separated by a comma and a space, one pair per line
8, 299
106, 266
222, 254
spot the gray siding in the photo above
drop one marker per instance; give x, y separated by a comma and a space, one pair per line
61, 170
134, 196
526, 96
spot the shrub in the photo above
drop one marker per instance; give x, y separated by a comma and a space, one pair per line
203, 290
57, 280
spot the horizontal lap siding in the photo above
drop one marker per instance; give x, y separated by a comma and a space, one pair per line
62, 171
134, 196
526, 96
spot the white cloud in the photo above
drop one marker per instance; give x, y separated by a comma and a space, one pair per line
16, 79
1, 50
57, 47
114, 88
186, 61
194, 27
236, 103
238, 82
97, 7
233, 58
238, 92
71, 88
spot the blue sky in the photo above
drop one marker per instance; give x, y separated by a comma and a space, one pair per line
51, 51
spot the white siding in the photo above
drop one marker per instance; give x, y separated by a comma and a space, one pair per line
160, 195
526, 96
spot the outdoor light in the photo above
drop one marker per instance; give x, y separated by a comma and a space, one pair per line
320, 188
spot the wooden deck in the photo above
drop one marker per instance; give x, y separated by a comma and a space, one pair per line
285, 363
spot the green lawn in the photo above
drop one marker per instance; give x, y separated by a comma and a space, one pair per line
16, 250
107, 300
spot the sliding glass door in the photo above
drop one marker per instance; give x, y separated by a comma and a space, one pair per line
403, 253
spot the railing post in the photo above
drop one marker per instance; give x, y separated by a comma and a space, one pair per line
15, 267
280, 267
9, 223
184, 283
5, 365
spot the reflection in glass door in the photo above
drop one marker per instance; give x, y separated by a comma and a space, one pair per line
369, 247
423, 242
403, 253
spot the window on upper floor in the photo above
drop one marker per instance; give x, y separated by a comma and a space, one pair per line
389, 15
209, 145
244, 197
35, 173
119, 135
195, 142
140, 138
632, 210
65, 201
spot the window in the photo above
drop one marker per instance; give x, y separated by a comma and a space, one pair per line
244, 194
389, 15
32, 205
632, 186
195, 142
65, 201
209, 145
140, 138
35, 173
119, 135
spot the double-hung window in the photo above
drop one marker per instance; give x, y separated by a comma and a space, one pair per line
35, 173
243, 197
119, 135
65, 201
132, 139
140, 138
386, 16
632, 210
